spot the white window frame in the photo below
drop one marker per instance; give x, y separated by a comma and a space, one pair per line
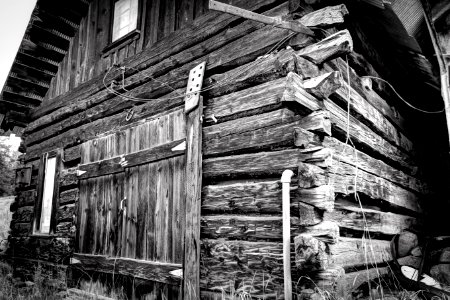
43, 224
125, 18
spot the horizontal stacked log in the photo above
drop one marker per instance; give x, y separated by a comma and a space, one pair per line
286, 110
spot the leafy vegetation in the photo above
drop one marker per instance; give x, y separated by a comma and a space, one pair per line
8, 158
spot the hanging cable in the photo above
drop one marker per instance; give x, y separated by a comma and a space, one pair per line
401, 98
217, 84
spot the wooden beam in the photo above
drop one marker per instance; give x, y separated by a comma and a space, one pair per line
119, 163
355, 252
255, 164
203, 28
277, 22
350, 216
148, 270
333, 46
37, 63
360, 133
326, 16
95, 107
20, 97
193, 186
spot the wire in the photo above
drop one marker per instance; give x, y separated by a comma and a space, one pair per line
218, 83
401, 98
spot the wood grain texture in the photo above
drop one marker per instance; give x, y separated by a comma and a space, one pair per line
136, 212
113, 165
193, 185
153, 271
359, 132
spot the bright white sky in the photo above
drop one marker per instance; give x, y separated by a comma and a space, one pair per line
14, 17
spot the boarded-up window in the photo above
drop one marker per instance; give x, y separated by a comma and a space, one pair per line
125, 18
47, 192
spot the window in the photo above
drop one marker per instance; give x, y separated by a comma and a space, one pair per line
47, 191
125, 18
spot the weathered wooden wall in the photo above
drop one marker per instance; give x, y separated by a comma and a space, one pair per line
263, 120
88, 57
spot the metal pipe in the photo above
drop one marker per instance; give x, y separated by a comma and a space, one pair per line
286, 202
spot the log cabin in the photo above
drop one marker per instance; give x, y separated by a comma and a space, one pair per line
155, 134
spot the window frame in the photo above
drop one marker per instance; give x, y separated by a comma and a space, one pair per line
133, 34
57, 154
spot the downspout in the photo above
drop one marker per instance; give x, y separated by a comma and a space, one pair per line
286, 203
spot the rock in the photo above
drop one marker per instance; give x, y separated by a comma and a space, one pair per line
410, 260
417, 251
441, 273
317, 296
29, 283
406, 242
305, 294
310, 253
445, 255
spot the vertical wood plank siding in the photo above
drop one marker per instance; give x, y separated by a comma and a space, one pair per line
149, 224
85, 58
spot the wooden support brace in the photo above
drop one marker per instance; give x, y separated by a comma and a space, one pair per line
193, 186
277, 22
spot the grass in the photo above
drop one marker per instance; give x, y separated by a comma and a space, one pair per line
14, 288
5, 219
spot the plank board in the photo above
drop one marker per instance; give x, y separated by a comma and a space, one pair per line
135, 212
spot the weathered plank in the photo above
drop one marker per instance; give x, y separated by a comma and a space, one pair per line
359, 133
372, 97
325, 16
204, 27
274, 66
262, 163
256, 132
193, 186
254, 197
354, 252
344, 178
368, 114
292, 25
155, 271
352, 281
242, 197
118, 163
347, 179
254, 100
169, 70
333, 46
346, 153
350, 216
245, 227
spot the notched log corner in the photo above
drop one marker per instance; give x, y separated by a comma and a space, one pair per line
333, 46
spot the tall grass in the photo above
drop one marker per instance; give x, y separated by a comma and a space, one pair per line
5, 219
14, 288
